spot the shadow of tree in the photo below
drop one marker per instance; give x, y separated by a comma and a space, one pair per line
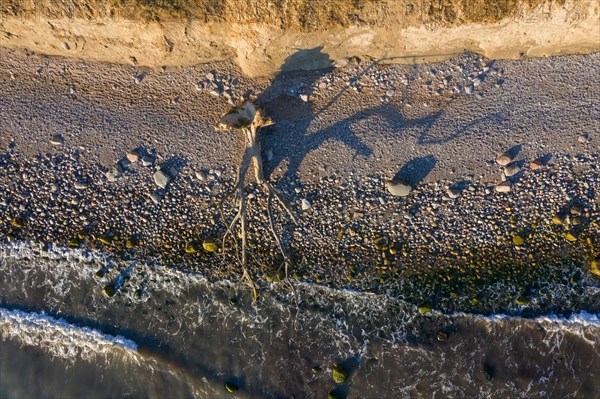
291, 139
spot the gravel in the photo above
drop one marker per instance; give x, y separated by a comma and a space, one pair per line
342, 149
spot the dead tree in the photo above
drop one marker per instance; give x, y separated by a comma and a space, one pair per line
249, 120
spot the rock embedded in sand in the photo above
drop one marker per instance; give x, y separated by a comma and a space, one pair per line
536, 164
148, 160
503, 187
209, 245
79, 185
398, 188
469, 89
113, 174
576, 210
306, 205
200, 175
511, 169
595, 267
570, 237
132, 156
162, 178
157, 196
57, 139
453, 193
503, 160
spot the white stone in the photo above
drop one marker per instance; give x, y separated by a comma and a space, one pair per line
161, 179
57, 139
503, 160
398, 189
200, 175
453, 193
511, 170
147, 160
306, 205
156, 196
503, 187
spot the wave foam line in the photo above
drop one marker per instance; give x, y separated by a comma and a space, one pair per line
59, 338
583, 319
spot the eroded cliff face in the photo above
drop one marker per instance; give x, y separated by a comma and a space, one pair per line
259, 35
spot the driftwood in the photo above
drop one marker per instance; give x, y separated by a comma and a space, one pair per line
249, 120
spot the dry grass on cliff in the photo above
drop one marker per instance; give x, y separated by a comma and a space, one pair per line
303, 15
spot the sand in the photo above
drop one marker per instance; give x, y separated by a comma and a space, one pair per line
259, 35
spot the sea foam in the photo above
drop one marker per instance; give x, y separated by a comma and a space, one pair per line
59, 338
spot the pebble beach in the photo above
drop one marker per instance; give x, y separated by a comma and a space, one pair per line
433, 182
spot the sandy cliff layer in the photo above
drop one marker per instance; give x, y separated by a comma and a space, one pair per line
258, 35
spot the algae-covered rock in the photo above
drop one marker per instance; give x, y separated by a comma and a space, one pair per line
209, 245
521, 301
130, 243
18, 223
570, 237
518, 240
339, 374
74, 242
424, 309
231, 386
595, 267
104, 239
109, 290
333, 395
191, 248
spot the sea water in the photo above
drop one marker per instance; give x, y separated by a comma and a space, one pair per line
170, 334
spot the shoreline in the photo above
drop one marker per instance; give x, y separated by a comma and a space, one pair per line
339, 137
205, 333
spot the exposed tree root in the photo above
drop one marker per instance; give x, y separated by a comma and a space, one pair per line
249, 121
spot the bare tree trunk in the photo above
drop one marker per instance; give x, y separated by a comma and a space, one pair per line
252, 155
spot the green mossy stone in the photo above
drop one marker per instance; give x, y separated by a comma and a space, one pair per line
18, 223
231, 387
570, 237
518, 240
521, 301
109, 291
209, 246
424, 309
74, 243
191, 248
104, 239
339, 374
595, 267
